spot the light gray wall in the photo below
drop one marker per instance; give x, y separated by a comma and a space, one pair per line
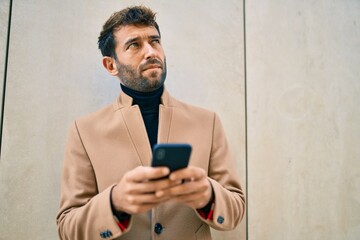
4, 17
303, 75
303, 112
55, 74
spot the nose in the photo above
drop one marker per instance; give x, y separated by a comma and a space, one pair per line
150, 51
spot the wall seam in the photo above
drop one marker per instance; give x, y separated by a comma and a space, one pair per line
5, 77
246, 125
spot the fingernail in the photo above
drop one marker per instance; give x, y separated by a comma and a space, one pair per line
166, 171
159, 193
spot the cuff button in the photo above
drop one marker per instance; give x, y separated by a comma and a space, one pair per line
220, 219
158, 228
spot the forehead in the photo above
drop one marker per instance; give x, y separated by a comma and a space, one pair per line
127, 32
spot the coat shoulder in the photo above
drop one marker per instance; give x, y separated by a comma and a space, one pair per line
192, 109
100, 116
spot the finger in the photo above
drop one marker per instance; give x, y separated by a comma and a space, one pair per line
187, 198
141, 174
193, 173
196, 203
151, 186
197, 199
141, 199
137, 209
166, 191
182, 189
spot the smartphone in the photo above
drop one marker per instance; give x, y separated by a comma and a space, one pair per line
175, 156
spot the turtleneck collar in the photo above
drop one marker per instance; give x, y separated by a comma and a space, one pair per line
149, 107
144, 99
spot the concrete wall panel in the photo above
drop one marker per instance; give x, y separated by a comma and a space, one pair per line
55, 75
303, 119
4, 18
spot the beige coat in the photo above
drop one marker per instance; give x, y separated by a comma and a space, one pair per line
102, 146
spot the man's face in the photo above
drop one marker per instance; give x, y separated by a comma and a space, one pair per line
141, 62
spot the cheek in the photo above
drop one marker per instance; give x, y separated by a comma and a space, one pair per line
133, 63
162, 53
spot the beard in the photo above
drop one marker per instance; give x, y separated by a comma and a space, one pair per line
134, 78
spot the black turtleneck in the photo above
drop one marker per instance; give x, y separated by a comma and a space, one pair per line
149, 107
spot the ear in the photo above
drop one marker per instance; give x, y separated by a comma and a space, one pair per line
110, 65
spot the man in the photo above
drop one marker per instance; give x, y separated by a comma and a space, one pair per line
108, 189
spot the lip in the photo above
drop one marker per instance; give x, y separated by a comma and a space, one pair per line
152, 66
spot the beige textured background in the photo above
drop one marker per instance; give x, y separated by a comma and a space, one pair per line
55, 74
4, 17
303, 114
303, 75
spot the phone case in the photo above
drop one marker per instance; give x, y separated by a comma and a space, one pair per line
173, 155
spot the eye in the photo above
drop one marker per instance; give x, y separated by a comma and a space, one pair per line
155, 41
133, 45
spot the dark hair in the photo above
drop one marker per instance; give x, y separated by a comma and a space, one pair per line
128, 16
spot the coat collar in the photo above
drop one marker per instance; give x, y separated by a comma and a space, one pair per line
135, 124
125, 100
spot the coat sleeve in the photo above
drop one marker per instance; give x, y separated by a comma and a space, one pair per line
229, 206
84, 213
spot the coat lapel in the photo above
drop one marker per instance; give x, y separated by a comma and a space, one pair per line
165, 118
137, 132
165, 115
136, 127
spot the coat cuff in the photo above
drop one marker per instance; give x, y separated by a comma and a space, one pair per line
122, 219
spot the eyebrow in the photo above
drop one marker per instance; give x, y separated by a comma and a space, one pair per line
154, 37
135, 39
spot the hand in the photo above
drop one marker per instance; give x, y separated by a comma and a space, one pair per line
135, 193
196, 190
